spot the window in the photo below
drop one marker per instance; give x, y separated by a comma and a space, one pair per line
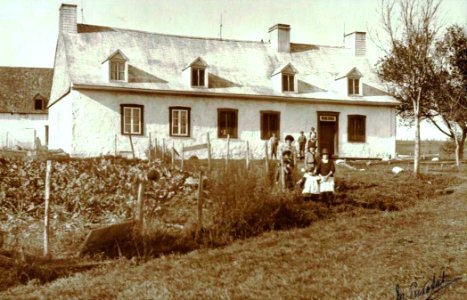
270, 123
356, 128
288, 82
197, 77
132, 119
227, 123
179, 121
117, 70
38, 104
353, 86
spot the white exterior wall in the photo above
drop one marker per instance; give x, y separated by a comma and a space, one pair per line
61, 124
21, 129
96, 124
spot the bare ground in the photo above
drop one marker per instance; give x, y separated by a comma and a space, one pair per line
350, 257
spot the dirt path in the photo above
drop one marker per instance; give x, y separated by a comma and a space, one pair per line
354, 257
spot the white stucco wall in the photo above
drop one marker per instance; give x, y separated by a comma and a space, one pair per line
96, 124
21, 129
61, 124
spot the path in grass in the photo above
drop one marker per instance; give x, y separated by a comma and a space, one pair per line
351, 257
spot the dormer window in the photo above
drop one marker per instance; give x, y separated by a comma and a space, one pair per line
115, 67
38, 104
195, 74
288, 82
197, 77
353, 86
349, 82
284, 78
117, 70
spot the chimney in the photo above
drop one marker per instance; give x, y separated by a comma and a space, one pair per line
279, 35
68, 23
357, 42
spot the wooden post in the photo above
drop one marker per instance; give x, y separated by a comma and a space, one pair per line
209, 151
183, 156
150, 149
173, 155
163, 150
247, 155
266, 159
155, 148
7, 140
140, 210
132, 148
46, 209
282, 174
115, 146
200, 201
228, 150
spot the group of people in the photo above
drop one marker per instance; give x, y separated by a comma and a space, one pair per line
319, 169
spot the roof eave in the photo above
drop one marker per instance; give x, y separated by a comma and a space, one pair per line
204, 93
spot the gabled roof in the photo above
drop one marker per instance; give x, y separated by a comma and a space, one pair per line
20, 86
285, 68
116, 54
247, 64
354, 73
197, 62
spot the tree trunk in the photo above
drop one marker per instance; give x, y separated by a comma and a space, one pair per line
416, 160
460, 141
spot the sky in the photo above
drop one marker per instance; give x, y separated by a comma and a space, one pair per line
29, 28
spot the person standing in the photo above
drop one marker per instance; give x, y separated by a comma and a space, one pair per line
313, 138
311, 158
301, 144
274, 141
326, 171
288, 146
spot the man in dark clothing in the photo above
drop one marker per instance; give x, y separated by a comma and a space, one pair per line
301, 144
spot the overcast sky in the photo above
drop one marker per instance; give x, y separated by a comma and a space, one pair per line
28, 28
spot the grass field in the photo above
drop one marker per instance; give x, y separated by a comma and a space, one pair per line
360, 254
427, 147
377, 222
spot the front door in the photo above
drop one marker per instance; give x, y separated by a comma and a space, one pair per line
327, 132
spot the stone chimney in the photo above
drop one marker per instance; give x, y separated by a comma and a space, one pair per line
279, 36
68, 23
357, 42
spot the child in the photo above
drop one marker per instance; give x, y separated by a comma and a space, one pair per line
326, 170
311, 159
310, 184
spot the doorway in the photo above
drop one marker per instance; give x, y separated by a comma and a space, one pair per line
328, 128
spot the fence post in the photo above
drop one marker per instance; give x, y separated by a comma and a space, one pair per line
247, 155
7, 144
140, 211
228, 150
46, 209
132, 148
200, 202
155, 148
209, 152
183, 156
115, 146
163, 151
282, 174
266, 159
150, 149
173, 155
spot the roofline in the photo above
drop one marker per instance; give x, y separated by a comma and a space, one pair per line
225, 95
354, 32
22, 113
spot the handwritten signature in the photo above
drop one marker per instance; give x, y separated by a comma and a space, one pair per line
430, 288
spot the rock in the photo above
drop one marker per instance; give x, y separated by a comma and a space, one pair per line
435, 159
340, 161
397, 170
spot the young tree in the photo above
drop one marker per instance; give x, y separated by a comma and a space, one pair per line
449, 99
411, 29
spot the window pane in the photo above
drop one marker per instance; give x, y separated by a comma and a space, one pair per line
127, 128
194, 77
349, 86
175, 122
356, 88
183, 122
201, 77
291, 83
284, 82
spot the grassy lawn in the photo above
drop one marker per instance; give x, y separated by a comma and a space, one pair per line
382, 230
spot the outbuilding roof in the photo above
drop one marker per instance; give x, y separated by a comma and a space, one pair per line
19, 87
156, 62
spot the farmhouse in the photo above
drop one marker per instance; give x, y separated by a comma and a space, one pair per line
24, 95
110, 83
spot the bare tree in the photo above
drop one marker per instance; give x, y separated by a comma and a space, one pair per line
449, 100
411, 28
